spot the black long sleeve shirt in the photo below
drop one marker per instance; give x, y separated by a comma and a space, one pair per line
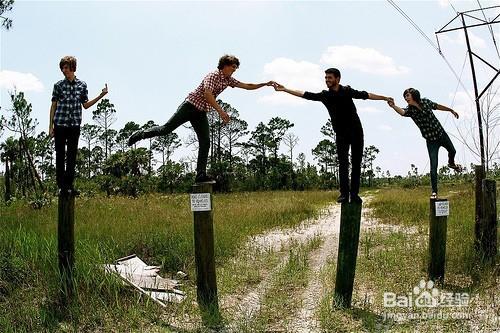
340, 107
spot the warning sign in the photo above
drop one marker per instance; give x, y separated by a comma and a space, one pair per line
200, 202
442, 208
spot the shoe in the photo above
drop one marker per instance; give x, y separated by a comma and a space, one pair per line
456, 167
434, 195
137, 136
356, 198
74, 192
202, 177
342, 198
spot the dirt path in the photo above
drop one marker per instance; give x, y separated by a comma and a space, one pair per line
327, 227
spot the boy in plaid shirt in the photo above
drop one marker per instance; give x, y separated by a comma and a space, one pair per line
420, 111
195, 107
68, 97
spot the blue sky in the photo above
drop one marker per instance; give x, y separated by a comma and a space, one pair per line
152, 54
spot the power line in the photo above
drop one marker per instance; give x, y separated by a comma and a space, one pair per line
431, 43
490, 28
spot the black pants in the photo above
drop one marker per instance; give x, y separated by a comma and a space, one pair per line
433, 149
198, 119
354, 139
66, 142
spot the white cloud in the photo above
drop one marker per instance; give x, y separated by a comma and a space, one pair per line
443, 3
464, 105
369, 109
385, 128
299, 75
20, 81
366, 60
458, 38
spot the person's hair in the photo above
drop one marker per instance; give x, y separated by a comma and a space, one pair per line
334, 71
70, 61
415, 94
228, 60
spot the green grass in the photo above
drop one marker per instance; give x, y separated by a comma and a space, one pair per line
395, 261
158, 228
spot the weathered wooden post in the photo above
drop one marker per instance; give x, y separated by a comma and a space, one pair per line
66, 244
201, 205
438, 219
480, 175
350, 221
489, 224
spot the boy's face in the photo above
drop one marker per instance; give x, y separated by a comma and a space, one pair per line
408, 98
68, 73
331, 80
228, 70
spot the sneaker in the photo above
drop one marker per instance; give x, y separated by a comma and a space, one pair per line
434, 195
73, 191
202, 177
342, 198
356, 198
139, 135
456, 167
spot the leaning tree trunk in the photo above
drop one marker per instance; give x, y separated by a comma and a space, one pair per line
31, 166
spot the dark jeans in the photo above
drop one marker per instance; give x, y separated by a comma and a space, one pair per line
355, 140
198, 119
433, 149
66, 142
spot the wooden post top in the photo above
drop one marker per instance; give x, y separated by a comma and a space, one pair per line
202, 187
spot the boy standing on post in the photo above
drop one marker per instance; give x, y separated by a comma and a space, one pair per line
347, 127
68, 97
195, 107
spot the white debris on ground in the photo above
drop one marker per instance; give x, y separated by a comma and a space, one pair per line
144, 278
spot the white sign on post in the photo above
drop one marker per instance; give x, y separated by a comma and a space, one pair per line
200, 202
442, 208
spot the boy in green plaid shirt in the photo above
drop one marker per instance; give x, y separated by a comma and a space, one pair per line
420, 111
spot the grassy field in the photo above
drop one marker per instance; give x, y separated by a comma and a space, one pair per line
394, 259
157, 228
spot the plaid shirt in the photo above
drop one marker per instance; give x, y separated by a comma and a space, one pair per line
425, 119
69, 97
215, 82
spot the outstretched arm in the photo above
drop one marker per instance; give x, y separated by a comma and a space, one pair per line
395, 107
280, 87
445, 108
379, 97
253, 86
88, 104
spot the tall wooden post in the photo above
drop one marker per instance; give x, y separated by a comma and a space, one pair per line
66, 244
438, 217
488, 235
478, 228
350, 221
201, 205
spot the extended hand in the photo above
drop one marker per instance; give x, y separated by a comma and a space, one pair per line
104, 90
278, 87
391, 102
224, 116
454, 113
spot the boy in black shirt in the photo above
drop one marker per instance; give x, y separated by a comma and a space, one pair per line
347, 127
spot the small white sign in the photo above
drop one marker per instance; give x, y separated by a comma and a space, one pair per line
442, 208
200, 202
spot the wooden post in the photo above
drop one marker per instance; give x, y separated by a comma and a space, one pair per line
489, 224
66, 244
438, 218
480, 175
201, 205
350, 220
